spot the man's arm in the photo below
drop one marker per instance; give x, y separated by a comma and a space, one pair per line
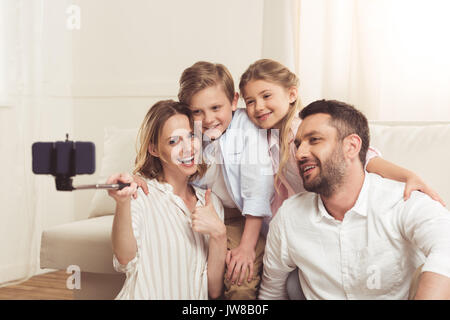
433, 286
426, 223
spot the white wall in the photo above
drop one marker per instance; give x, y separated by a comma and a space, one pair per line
128, 55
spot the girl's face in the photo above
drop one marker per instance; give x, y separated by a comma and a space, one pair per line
178, 148
268, 103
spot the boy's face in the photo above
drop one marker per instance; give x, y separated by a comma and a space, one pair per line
212, 107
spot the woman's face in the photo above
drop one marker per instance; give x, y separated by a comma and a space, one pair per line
178, 148
268, 103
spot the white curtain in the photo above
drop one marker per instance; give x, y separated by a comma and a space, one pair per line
27, 114
281, 32
390, 58
21, 34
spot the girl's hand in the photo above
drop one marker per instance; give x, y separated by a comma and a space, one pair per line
238, 260
126, 193
413, 183
141, 183
205, 219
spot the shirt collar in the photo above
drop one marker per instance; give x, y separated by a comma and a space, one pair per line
360, 206
161, 185
274, 136
168, 189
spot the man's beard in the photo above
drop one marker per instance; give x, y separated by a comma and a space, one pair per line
330, 176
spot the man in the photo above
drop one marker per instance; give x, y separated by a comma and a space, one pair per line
353, 236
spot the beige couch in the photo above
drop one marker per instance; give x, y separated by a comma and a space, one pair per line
421, 147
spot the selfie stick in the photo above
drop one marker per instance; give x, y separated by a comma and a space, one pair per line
114, 186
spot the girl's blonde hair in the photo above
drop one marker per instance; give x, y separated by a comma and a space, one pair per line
150, 132
275, 72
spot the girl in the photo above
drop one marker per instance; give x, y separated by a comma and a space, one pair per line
171, 243
270, 92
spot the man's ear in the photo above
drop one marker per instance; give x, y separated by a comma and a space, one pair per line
352, 146
153, 150
235, 101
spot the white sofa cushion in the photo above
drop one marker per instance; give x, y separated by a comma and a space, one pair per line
85, 243
420, 147
119, 154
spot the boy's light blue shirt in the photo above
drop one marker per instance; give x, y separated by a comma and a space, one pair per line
247, 167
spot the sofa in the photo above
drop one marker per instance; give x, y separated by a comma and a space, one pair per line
423, 147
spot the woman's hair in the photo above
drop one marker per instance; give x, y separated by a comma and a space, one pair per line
150, 132
202, 75
275, 72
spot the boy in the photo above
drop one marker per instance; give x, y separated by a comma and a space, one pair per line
239, 170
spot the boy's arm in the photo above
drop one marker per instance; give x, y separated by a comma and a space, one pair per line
243, 256
255, 190
391, 171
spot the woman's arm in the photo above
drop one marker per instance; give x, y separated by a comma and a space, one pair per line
206, 221
216, 263
123, 241
413, 182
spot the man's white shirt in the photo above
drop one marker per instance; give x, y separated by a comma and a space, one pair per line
371, 254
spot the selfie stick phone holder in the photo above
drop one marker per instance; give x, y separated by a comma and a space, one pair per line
65, 159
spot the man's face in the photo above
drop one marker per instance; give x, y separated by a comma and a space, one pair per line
212, 107
320, 157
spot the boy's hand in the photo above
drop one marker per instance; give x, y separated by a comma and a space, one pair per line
140, 183
205, 219
414, 183
238, 260
123, 195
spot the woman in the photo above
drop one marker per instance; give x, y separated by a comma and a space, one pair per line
170, 243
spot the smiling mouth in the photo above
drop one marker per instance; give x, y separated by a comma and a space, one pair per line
305, 170
264, 116
213, 132
189, 161
211, 127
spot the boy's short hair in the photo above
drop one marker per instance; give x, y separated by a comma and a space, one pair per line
202, 75
345, 118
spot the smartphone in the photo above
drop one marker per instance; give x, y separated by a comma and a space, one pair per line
63, 158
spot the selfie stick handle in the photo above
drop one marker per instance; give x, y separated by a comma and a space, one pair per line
114, 186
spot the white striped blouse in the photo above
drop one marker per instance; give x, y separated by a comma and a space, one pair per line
171, 259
